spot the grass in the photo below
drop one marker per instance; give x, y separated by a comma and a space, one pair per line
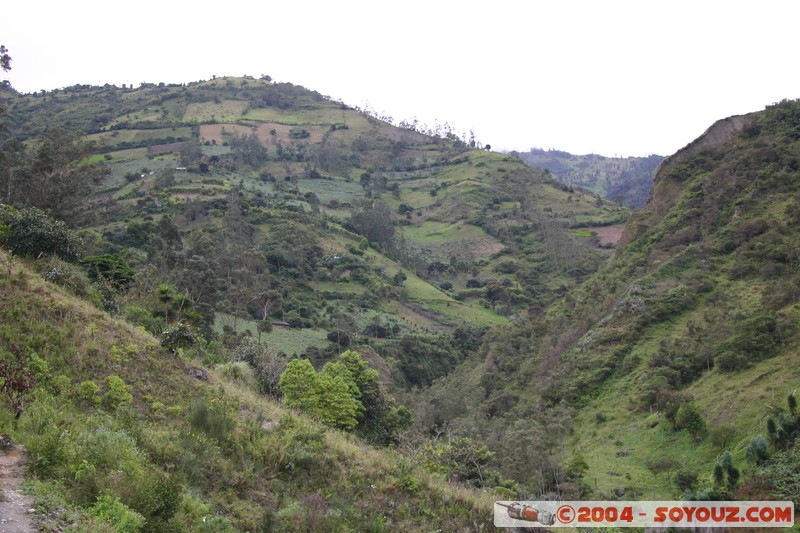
432, 232
474, 314
324, 115
328, 190
291, 341
172, 462
340, 287
224, 111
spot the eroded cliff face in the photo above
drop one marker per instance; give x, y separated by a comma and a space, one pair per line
668, 182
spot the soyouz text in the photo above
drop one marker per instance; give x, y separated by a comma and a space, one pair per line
644, 514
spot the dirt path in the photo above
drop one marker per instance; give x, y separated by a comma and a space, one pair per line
14, 506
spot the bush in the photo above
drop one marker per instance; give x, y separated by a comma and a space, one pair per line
88, 393
757, 451
141, 317
178, 336
238, 372
214, 418
328, 396
755, 339
118, 394
121, 518
158, 500
65, 275
33, 233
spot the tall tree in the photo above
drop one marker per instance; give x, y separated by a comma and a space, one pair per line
5, 59
58, 176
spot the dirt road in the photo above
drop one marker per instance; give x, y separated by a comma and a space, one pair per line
15, 507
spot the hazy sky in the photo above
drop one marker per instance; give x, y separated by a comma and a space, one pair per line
602, 76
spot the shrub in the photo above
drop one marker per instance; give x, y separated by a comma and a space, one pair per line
141, 317
237, 372
757, 451
328, 396
158, 500
87, 392
214, 418
110, 267
66, 275
117, 394
178, 336
33, 233
16, 380
121, 518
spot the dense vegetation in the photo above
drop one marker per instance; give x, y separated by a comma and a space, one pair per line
344, 283
675, 352
625, 180
121, 437
260, 231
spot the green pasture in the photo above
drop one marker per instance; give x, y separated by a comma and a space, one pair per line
224, 111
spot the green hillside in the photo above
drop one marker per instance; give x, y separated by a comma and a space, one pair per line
682, 346
242, 192
243, 226
509, 334
625, 180
120, 437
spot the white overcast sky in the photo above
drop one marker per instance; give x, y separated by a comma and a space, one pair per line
596, 76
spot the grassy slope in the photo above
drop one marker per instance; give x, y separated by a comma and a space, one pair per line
709, 256
250, 471
475, 188
742, 281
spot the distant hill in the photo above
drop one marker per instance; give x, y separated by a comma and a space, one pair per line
239, 216
359, 224
681, 347
624, 180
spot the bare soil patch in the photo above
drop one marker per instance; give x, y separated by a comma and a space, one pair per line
609, 234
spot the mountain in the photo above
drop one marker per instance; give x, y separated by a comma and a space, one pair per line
681, 347
348, 222
232, 228
624, 180
547, 342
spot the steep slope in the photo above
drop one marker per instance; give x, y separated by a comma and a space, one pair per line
625, 180
267, 202
119, 435
680, 347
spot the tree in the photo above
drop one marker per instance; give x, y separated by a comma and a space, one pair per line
58, 176
757, 451
723, 470
110, 267
165, 295
576, 465
5, 59
297, 385
249, 150
32, 233
661, 465
689, 418
460, 459
685, 480
374, 221
267, 363
336, 405
326, 396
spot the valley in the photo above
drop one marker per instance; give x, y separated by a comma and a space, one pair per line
516, 336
